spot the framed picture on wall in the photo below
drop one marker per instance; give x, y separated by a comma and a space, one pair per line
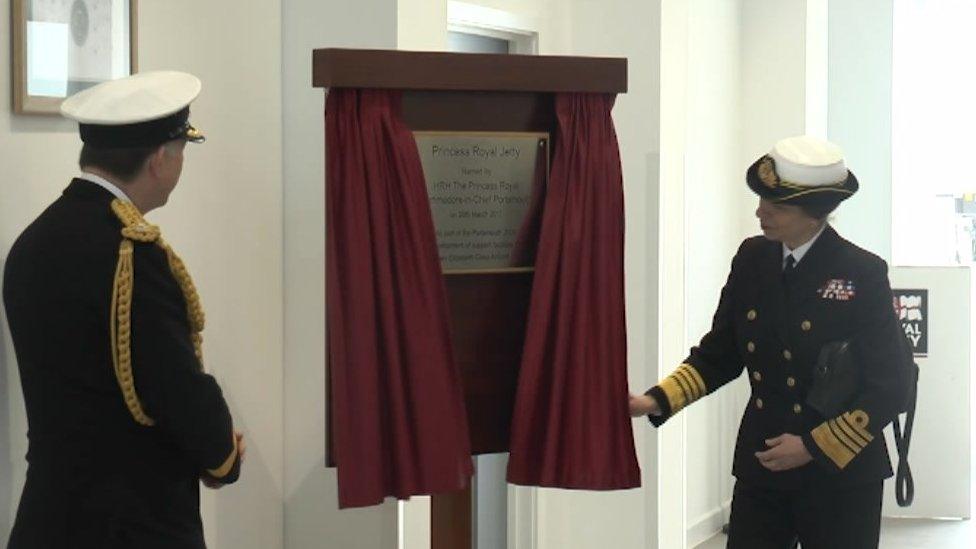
61, 47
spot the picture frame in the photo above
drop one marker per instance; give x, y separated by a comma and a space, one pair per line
61, 47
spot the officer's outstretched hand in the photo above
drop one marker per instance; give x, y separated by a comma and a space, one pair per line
785, 452
644, 405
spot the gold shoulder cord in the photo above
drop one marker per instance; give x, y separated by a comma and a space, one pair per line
136, 229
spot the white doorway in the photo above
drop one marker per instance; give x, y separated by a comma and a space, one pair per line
477, 29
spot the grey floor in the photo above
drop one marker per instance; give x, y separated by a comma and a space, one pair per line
907, 534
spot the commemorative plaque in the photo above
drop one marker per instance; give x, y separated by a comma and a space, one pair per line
486, 192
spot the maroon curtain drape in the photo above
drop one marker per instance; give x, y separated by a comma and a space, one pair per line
399, 422
571, 427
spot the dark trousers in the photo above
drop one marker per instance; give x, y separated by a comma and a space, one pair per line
843, 518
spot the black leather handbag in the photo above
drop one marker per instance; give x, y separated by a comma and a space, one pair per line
836, 380
836, 383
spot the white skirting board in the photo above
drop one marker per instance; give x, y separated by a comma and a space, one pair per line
708, 525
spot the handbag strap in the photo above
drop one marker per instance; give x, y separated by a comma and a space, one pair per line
904, 482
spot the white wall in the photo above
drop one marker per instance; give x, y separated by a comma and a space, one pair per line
312, 518
666, 499
224, 219
421, 25
714, 186
773, 82
824, 68
859, 115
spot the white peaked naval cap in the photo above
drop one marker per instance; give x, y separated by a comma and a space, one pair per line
803, 170
144, 109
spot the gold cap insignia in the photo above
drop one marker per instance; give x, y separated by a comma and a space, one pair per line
767, 172
194, 135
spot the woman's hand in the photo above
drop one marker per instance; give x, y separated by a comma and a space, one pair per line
785, 452
644, 405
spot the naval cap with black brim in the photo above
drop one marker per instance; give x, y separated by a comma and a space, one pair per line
803, 171
142, 110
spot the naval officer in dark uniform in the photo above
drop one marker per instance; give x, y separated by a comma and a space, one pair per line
791, 291
124, 423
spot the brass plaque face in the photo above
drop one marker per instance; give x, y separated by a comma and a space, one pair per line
486, 192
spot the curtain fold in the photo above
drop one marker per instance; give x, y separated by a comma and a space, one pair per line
399, 425
571, 427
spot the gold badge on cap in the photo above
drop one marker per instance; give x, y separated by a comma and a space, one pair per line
767, 173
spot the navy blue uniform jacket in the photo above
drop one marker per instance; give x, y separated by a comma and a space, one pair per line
96, 478
838, 292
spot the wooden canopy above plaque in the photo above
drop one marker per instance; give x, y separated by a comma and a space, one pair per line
408, 70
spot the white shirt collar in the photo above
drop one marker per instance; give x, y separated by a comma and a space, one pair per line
105, 184
801, 251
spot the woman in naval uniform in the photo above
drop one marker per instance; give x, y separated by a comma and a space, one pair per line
799, 476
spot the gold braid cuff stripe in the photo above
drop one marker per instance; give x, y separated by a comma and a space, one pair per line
684, 386
136, 229
843, 437
225, 468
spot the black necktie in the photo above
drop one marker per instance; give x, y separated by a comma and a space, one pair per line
789, 270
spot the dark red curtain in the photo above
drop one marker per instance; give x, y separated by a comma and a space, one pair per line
571, 427
399, 422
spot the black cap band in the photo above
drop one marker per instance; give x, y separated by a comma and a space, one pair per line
143, 134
